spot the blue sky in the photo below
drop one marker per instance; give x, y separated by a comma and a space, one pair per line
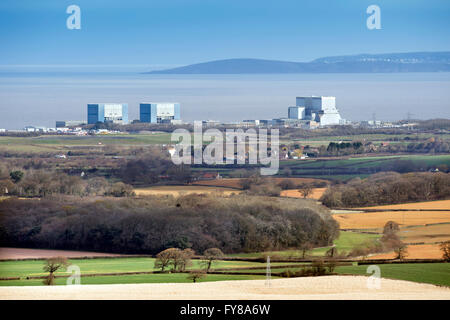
177, 32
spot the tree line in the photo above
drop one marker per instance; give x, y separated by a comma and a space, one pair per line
389, 188
235, 224
44, 183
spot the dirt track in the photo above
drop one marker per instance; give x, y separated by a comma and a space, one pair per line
321, 288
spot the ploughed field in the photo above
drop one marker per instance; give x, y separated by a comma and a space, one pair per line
182, 190
328, 287
422, 230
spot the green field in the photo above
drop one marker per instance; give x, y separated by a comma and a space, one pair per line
346, 168
144, 278
433, 273
49, 143
346, 242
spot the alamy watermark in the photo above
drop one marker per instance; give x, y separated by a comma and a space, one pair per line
374, 281
234, 146
74, 20
374, 20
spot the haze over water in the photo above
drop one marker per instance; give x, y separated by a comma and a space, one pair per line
41, 98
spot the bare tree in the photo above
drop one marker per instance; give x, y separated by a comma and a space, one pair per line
163, 259
305, 248
445, 248
401, 252
186, 257
174, 257
305, 189
51, 266
196, 275
210, 255
391, 227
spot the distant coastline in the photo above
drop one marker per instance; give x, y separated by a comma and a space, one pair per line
363, 63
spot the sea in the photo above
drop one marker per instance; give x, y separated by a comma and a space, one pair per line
40, 97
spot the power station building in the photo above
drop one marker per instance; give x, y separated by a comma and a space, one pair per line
157, 112
319, 109
107, 112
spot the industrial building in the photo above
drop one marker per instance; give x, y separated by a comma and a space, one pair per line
107, 112
319, 109
157, 112
69, 123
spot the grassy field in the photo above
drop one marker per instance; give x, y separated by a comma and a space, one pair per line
144, 278
54, 143
433, 273
25, 268
345, 168
347, 241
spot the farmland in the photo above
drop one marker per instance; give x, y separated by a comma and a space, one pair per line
376, 220
432, 273
422, 231
182, 190
345, 168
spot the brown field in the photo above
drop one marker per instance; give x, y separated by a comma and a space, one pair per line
426, 234
317, 288
428, 205
422, 251
235, 182
20, 253
376, 220
316, 194
182, 190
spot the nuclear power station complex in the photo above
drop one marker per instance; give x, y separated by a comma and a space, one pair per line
308, 112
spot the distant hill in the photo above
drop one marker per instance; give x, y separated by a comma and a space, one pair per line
362, 63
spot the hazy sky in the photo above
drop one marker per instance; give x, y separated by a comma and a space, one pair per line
176, 32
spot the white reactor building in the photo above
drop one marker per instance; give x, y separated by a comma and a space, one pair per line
319, 109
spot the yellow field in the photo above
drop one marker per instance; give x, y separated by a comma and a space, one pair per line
236, 182
375, 220
182, 190
316, 194
427, 227
423, 251
426, 234
430, 205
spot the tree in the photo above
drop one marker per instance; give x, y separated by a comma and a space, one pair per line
16, 176
210, 255
331, 253
391, 227
390, 239
195, 275
163, 259
187, 255
305, 247
51, 266
286, 184
120, 189
445, 248
174, 257
401, 252
305, 189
